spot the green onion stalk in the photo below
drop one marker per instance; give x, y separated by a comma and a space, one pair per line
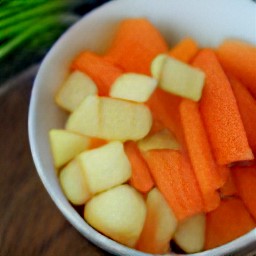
23, 20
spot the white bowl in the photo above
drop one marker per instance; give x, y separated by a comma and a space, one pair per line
208, 21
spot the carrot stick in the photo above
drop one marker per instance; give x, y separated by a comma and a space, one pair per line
229, 188
135, 45
247, 107
165, 108
228, 222
200, 153
245, 181
141, 178
167, 169
224, 173
239, 58
185, 50
220, 113
156, 126
96, 142
102, 72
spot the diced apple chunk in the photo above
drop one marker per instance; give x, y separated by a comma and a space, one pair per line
190, 234
162, 139
134, 87
105, 167
73, 183
157, 65
110, 119
181, 79
119, 213
77, 86
159, 226
65, 145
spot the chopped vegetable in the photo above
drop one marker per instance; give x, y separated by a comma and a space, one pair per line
169, 173
200, 153
229, 188
220, 113
181, 79
159, 226
141, 178
165, 108
185, 50
245, 181
135, 45
228, 222
96, 142
247, 107
102, 72
239, 58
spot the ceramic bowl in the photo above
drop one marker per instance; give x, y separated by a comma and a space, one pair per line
208, 21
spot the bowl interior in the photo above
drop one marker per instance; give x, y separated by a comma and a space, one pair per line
209, 22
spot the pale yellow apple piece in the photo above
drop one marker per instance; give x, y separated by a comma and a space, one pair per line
181, 79
76, 87
157, 65
65, 145
162, 139
118, 213
110, 119
134, 87
159, 226
73, 183
105, 167
190, 234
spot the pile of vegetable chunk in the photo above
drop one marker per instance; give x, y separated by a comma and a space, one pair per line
159, 143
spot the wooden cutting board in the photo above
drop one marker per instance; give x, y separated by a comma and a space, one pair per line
30, 223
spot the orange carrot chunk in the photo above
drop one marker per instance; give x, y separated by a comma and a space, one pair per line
228, 222
102, 72
141, 178
185, 50
220, 113
168, 170
96, 142
239, 58
200, 153
229, 188
135, 45
165, 108
245, 181
247, 107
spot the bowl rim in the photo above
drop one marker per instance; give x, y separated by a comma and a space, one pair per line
248, 240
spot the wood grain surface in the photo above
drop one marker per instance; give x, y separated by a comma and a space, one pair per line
30, 223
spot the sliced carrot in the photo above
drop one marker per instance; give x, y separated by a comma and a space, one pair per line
156, 126
185, 50
247, 107
220, 112
245, 181
200, 153
228, 222
239, 58
224, 172
168, 169
141, 178
229, 188
135, 45
165, 109
102, 72
96, 142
